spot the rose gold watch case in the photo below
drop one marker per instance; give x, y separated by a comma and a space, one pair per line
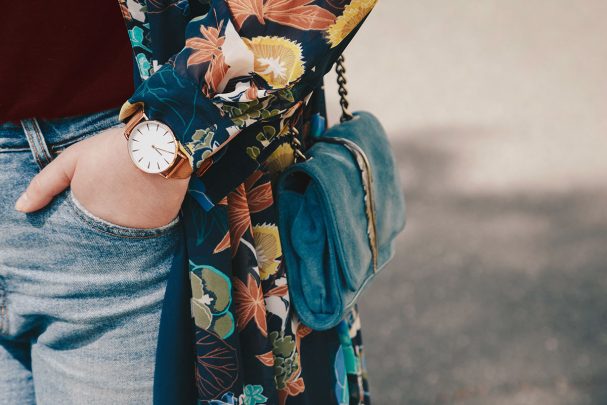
181, 165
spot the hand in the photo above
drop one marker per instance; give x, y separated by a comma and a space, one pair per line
107, 183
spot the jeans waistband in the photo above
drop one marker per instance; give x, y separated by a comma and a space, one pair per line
58, 132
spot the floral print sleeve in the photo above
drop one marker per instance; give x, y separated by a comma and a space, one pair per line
230, 77
244, 63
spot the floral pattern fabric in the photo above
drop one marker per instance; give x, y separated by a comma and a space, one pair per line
231, 78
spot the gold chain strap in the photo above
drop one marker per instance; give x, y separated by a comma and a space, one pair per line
298, 153
340, 69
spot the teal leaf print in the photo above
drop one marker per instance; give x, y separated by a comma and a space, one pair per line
144, 65
349, 357
341, 377
253, 395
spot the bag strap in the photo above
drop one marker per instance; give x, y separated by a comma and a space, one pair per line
340, 69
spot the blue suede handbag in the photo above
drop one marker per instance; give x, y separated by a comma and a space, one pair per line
340, 209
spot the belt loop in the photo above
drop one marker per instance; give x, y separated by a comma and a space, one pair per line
37, 143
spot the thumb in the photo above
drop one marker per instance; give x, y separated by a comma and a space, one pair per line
51, 180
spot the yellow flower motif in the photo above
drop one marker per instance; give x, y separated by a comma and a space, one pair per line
278, 60
344, 24
267, 245
281, 158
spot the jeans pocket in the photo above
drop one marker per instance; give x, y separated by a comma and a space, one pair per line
106, 227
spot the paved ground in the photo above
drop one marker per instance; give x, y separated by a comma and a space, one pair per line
497, 113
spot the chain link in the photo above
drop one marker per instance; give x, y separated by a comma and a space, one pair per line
296, 145
298, 154
340, 69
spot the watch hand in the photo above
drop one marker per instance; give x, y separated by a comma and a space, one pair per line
164, 150
156, 149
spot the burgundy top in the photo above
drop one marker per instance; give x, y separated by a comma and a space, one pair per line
62, 58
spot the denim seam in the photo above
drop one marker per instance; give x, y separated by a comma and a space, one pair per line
108, 228
10, 150
58, 147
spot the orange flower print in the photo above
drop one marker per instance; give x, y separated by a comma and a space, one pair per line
299, 14
294, 387
244, 200
260, 197
279, 291
214, 75
206, 48
223, 244
126, 14
239, 218
267, 359
249, 304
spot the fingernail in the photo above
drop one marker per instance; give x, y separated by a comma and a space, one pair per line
21, 203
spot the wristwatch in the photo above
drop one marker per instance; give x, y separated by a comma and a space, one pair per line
153, 148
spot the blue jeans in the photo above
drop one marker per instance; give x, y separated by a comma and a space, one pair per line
80, 298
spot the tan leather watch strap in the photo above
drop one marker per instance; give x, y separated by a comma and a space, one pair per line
133, 121
181, 168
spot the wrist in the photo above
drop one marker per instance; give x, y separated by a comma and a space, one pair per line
197, 123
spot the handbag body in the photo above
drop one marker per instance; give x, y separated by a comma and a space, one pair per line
339, 212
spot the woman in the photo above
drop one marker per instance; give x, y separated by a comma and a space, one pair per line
99, 232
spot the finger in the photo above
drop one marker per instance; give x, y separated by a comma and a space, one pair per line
52, 180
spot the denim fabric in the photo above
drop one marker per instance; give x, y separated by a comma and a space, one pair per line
80, 298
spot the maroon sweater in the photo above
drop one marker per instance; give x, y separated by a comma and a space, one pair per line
62, 58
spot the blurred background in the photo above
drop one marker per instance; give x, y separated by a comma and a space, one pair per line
497, 113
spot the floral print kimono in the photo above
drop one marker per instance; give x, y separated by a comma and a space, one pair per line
231, 78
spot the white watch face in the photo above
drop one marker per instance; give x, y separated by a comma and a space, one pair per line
152, 146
